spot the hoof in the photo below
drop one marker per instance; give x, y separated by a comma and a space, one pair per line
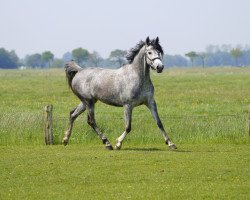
172, 147
109, 147
118, 147
64, 142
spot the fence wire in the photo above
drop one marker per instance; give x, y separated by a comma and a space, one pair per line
21, 127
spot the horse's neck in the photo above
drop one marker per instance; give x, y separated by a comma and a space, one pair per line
140, 65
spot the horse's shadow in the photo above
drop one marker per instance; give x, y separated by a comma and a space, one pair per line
146, 149
142, 149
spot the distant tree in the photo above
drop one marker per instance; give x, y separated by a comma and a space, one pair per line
118, 56
8, 60
34, 60
67, 57
212, 49
218, 59
14, 57
95, 58
57, 63
191, 56
80, 55
245, 58
47, 57
107, 63
174, 61
226, 47
236, 53
202, 56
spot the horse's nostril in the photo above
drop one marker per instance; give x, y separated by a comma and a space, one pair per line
159, 67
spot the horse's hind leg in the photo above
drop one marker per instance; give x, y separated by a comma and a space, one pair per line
73, 115
92, 123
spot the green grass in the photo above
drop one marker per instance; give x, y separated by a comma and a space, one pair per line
141, 172
204, 111
195, 105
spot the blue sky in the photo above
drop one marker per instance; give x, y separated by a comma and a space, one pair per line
33, 26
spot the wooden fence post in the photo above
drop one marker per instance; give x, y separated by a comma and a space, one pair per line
48, 131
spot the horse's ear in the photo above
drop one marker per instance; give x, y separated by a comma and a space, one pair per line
157, 40
147, 41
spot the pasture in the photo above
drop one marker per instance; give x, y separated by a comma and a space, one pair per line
205, 112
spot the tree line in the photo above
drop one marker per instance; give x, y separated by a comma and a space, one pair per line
223, 55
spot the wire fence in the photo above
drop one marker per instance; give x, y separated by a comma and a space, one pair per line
28, 127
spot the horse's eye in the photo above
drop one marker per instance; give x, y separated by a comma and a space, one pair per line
149, 53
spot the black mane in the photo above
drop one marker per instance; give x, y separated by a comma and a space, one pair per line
134, 51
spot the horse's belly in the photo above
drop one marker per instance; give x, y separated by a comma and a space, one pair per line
112, 103
119, 99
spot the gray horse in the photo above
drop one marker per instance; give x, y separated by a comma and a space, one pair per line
128, 86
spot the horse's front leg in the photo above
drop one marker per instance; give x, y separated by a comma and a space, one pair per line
153, 109
128, 116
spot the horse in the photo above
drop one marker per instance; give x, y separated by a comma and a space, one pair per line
129, 86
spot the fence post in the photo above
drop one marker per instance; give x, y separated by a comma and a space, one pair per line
48, 131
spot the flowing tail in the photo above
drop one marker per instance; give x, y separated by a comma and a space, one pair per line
71, 68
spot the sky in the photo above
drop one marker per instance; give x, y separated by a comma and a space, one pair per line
35, 26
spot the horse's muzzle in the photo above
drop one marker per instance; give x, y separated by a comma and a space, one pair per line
159, 69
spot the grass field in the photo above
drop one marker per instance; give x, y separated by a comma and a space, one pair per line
141, 172
204, 110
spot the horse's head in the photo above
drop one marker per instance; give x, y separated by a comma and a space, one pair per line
153, 54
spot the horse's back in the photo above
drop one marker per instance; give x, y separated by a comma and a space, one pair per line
95, 83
